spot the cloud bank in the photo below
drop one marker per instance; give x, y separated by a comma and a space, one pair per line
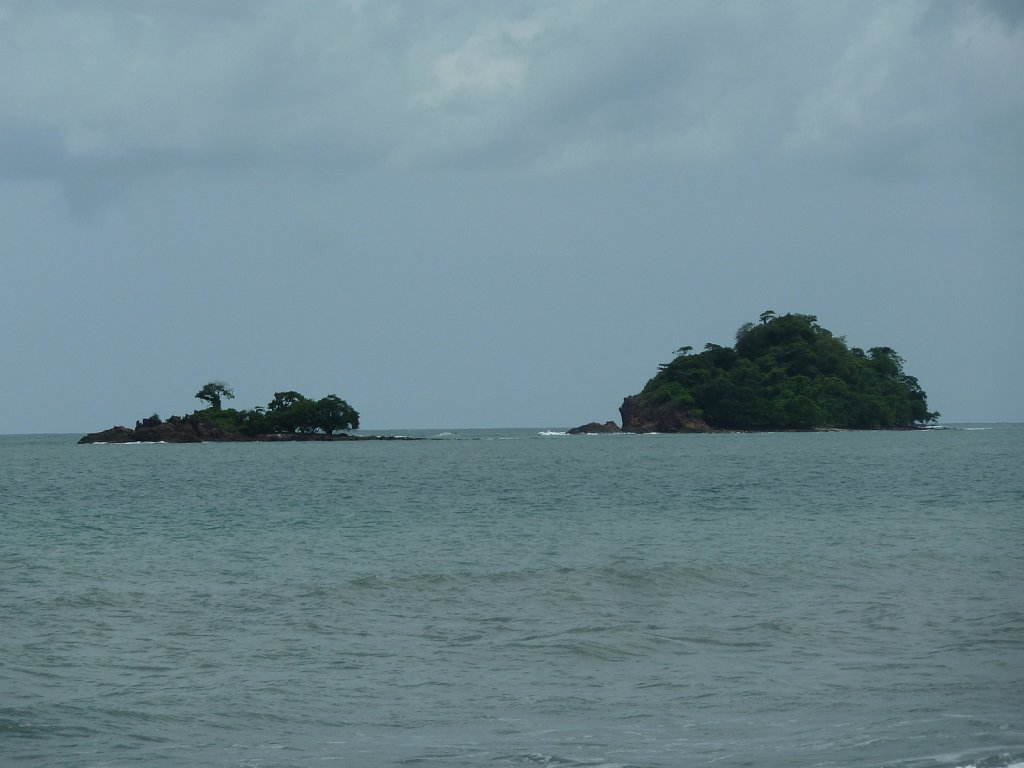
127, 88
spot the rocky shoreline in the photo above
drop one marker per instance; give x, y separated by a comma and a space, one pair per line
667, 417
596, 428
672, 418
638, 418
192, 429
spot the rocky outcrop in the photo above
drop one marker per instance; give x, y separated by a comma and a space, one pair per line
595, 428
174, 430
666, 417
192, 429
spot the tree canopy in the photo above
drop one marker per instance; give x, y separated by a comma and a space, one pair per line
288, 412
212, 393
787, 372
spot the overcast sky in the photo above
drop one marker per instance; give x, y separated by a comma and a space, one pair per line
473, 214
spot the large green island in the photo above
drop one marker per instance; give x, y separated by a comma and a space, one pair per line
290, 416
784, 373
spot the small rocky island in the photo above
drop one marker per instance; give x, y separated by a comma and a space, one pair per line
784, 373
595, 428
290, 416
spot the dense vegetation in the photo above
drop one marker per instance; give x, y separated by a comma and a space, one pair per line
790, 373
288, 412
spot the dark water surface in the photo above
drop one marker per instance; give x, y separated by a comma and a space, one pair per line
513, 598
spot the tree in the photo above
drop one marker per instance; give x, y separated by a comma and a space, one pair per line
684, 350
294, 412
332, 413
212, 393
285, 400
767, 316
886, 361
290, 412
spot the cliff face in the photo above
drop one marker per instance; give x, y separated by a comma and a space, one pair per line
667, 417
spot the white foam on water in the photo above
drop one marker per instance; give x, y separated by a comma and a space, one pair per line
552, 433
1015, 764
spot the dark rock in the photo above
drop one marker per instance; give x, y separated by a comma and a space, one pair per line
595, 428
192, 429
152, 430
112, 435
667, 417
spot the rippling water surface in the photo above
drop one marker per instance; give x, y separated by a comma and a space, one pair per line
497, 598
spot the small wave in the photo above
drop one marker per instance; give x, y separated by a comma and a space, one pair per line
26, 729
538, 758
22, 729
552, 433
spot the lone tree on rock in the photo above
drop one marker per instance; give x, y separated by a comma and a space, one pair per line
212, 393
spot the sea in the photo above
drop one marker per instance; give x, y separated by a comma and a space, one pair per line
516, 597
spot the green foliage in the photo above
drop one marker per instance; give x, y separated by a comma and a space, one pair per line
226, 418
787, 372
289, 412
212, 393
332, 413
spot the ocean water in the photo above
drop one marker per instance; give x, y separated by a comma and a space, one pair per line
496, 598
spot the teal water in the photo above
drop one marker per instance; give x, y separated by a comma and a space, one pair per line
495, 598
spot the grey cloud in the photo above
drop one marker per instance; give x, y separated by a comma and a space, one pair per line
1010, 12
520, 85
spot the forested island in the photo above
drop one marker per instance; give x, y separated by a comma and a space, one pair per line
784, 373
289, 416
